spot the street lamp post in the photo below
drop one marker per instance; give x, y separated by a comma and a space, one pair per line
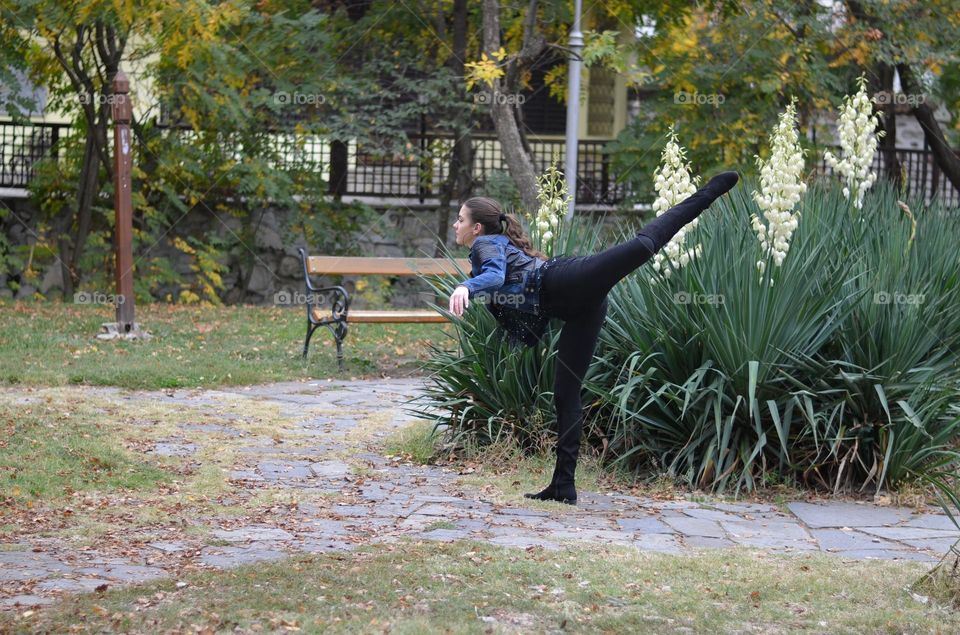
573, 109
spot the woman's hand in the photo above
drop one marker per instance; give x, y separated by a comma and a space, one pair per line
459, 300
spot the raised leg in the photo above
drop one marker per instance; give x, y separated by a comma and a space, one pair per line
590, 278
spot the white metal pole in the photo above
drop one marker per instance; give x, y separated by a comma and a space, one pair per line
573, 109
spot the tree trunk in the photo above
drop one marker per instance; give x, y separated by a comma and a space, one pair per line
888, 142
87, 191
458, 183
946, 159
338, 169
107, 51
519, 162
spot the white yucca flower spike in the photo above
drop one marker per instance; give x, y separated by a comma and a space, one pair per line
858, 143
673, 184
781, 186
554, 201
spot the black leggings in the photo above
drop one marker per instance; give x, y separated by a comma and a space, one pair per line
575, 290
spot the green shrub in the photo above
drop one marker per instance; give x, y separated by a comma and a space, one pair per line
718, 377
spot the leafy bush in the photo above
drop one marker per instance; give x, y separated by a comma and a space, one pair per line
840, 373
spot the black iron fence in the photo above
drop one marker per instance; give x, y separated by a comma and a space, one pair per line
920, 174
421, 173
423, 177
22, 146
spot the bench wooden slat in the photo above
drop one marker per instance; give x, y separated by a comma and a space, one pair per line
395, 316
387, 317
358, 265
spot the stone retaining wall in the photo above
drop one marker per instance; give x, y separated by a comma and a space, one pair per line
256, 273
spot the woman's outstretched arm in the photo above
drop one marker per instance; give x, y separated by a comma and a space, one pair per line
492, 274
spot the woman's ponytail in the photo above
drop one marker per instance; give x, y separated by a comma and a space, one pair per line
514, 231
488, 213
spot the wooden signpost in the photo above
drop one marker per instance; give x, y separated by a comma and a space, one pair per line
125, 326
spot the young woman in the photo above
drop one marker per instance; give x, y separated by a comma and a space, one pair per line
524, 290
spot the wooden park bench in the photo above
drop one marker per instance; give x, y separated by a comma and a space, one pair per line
336, 316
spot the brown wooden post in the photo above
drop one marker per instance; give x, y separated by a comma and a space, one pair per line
123, 206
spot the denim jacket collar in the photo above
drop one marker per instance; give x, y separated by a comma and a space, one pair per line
497, 238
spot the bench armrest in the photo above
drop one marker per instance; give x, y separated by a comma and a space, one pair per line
319, 297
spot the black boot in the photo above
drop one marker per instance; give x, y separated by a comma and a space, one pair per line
662, 228
553, 492
562, 486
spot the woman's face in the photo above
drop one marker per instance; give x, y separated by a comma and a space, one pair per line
465, 230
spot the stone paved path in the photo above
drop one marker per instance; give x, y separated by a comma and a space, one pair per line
386, 501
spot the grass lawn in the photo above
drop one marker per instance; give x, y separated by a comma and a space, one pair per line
74, 467
51, 450
426, 587
55, 344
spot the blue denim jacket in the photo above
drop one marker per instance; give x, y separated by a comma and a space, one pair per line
503, 274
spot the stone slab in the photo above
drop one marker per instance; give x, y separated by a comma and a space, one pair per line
212, 428
936, 545
173, 448
168, 547
66, 585
522, 511
25, 601
438, 509
323, 546
351, 510
883, 554
695, 526
330, 469
745, 508
644, 524
837, 540
707, 542
596, 535
664, 543
911, 533
932, 521
445, 535
250, 534
821, 515
226, 557
765, 528
523, 541
280, 470
710, 514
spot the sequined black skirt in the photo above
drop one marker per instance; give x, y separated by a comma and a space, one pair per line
522, 328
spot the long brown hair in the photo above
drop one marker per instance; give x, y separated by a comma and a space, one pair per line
487, 211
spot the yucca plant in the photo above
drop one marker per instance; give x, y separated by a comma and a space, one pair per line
720, 345
895, 356
836, 369
720, 378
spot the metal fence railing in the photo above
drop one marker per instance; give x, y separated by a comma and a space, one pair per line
420, 174
22, 146
921, 175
